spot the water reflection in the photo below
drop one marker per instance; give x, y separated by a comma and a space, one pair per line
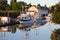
25, 28
29, 32
5, 29
22, 27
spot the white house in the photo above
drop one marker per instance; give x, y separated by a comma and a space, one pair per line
5, 20
33, 12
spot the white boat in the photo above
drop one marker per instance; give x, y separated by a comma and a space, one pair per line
25, 19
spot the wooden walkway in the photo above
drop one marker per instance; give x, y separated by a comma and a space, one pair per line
11, 23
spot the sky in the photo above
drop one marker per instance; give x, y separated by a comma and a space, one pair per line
41, 2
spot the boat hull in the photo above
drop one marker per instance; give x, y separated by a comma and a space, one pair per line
27, 22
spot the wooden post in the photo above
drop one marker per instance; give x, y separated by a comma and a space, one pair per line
8, 14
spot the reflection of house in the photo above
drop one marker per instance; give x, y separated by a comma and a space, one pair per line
8, 29
5, 29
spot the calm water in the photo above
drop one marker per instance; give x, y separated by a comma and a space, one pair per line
33, 32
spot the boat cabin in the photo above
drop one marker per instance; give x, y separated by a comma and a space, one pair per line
24, 17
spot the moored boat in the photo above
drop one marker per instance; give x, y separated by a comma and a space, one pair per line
25, 19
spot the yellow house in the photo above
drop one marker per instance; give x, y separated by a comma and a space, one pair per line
33, 12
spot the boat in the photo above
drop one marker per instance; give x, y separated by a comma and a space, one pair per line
25, 19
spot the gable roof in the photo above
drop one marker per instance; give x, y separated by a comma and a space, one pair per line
33, 8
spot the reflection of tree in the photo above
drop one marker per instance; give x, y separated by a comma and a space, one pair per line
14, 28
55, 35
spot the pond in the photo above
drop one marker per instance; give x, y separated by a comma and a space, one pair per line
31, 32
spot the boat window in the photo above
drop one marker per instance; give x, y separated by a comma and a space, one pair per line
22, 17
25, 17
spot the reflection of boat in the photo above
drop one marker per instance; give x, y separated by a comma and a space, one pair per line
24, 29
25, 25
41, 22
25, 18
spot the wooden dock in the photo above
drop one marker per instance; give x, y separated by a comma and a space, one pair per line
11, 23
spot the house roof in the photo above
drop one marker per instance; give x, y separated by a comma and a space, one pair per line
43, 8
33, 8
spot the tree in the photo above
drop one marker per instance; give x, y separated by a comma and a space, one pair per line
3, 4
52, 9
56, 14
17, 6
8, 8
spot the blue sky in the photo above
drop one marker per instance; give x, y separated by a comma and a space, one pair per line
41, 2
